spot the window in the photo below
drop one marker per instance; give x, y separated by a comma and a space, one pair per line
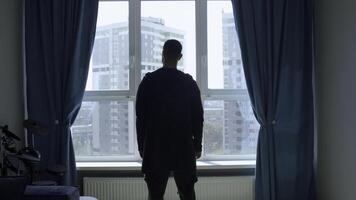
128, 44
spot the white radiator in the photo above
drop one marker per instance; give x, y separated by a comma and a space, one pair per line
207, 188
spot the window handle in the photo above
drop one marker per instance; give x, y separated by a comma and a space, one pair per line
204, 61
132, 61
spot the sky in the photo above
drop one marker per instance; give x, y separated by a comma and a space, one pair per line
179, 15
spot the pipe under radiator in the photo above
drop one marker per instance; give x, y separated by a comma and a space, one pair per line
133, 188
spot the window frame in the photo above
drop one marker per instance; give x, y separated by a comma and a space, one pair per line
134, 23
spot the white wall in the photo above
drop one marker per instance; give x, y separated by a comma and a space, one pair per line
11, 98
336, 98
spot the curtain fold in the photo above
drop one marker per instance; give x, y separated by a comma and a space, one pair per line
276, 45
59, 37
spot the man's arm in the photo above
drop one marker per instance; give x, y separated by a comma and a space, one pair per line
197, 119
141, 112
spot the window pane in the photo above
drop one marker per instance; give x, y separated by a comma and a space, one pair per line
109, 66
167, 20
230, 128
224, 55
104, 128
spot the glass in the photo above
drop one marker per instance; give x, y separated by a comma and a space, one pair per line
230, 128
104, 128
224, 55
167, 20
109, 66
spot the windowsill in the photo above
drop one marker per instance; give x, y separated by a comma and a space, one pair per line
136, 166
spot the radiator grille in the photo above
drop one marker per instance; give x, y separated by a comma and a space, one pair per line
207, 188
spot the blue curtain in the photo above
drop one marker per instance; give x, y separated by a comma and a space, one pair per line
59, 36
276, 45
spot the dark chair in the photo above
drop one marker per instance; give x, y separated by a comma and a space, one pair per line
51, 193
12, 187
54, 193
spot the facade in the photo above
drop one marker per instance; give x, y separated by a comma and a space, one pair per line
153, 35
240, 127
213, 127
83, 129
232, 63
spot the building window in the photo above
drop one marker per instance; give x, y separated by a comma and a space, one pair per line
164, 20
128, 44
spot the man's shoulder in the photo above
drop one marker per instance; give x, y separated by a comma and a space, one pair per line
185, 75
147, 76
189, 78
157, 74
152, 74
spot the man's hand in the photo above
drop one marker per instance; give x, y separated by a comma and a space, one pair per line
197, 155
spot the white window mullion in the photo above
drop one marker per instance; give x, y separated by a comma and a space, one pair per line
135, 39
201, 49
137, 5
135, 35
201, 39
97, 94
227, 92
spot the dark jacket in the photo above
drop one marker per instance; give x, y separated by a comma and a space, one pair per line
169, 121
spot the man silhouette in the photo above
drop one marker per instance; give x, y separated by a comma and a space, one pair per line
169, 123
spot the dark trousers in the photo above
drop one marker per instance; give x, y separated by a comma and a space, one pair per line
157, 182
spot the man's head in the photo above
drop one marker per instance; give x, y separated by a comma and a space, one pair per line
172, 52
